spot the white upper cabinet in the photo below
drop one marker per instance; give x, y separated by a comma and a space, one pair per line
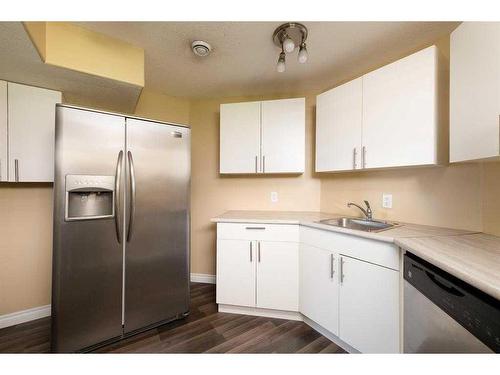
400, 112
240, 137
263, 137
3, 131
31, 133
386, 118
475, 92
283, 136
338, 127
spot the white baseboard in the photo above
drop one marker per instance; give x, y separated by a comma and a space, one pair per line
202, 278
255, 311
23, 316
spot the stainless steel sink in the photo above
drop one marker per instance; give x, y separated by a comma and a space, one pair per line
359, 224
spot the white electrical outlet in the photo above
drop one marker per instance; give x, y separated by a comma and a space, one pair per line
274, 196
387, 200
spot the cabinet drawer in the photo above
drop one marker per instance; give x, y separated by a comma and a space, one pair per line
259, 232
373, 251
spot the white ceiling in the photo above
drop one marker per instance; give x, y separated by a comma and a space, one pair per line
243, 61
20, 62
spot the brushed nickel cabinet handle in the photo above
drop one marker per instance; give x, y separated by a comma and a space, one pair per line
251, 251
332, 270
264, 164
255, 163
341, 270
255, 228
354, 157
0, 170
363, 157
16, 170
258, 252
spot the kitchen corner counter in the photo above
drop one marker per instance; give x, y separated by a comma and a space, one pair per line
471, 256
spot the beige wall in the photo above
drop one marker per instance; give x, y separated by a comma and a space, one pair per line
212, 194
441, 196
25, 246
157, 106
491, 197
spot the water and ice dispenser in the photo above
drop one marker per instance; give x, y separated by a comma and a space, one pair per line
89, 197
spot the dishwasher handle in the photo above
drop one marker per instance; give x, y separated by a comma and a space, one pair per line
447, 288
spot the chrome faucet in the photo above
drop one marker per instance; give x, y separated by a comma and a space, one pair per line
368, 212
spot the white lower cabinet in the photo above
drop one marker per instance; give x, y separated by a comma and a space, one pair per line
236, 272
255, 273
278, 275
346, 284
319, 287
369, 306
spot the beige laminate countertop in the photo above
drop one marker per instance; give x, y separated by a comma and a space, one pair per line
471, 256
310, 219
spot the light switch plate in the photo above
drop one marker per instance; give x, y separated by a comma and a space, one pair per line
386, 200
274, 196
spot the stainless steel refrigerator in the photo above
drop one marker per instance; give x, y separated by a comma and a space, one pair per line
121, 226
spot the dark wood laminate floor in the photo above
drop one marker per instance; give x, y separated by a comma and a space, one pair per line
204, 331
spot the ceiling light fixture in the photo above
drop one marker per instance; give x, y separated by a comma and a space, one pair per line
287, 37
201, 48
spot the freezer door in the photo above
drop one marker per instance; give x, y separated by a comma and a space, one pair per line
88, 208
157, 227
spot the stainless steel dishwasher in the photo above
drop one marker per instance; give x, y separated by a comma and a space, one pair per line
443, 314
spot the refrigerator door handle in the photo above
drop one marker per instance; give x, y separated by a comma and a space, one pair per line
118, 177
132, 196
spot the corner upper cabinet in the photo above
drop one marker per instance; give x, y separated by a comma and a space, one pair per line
475, 92
262, 137
338, 127
3, 131
387, 118
31, 133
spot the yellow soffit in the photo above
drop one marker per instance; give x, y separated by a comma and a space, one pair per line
73, 47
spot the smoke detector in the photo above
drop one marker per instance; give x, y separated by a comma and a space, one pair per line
201, 48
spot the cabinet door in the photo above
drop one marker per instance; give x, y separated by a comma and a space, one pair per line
240, 138
283, 136
399, 112
236, 272
319, 294
369, 306
338, 127
3, 131
31, 118
278, 275
475, 91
